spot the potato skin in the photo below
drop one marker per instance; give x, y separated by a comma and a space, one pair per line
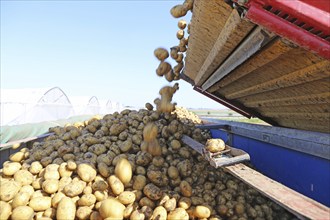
40, 203
66, 209
11, 168
152, 191
126, 197
86, 172
178, 213
23, 177
5, 210
112, 208
159, 213
202, 211
22, 213
20, 199
123, 170
116, 185
8, 190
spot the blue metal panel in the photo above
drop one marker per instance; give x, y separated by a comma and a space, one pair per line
307, 174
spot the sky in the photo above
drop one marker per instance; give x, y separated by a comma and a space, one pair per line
92, 48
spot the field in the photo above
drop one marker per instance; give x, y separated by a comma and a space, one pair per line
225, 114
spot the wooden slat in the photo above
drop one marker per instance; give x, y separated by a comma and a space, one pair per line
289, 62
273, 51
233, 32
293, 201
307, 99
311, 73
315, 87
298, 115
325, 108
207, 21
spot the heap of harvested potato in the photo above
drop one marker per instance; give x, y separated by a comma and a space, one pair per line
128, 165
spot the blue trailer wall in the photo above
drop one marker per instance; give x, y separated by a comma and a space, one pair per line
305, 173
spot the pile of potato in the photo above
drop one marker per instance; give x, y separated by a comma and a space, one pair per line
109, 168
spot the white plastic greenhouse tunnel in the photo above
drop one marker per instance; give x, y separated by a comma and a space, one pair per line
28, 112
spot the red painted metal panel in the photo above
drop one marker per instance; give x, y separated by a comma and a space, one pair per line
313, 13
283, 28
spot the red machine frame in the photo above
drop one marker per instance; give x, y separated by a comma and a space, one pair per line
304, 22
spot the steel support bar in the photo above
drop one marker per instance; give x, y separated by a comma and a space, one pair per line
313, 13
223, 102
285, 29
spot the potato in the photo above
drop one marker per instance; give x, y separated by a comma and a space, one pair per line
5, 210
161, 54
163, 68
123, 170
188, 4
71, 165
116, 185
215, 145
63, 182
139, 182
152, 191
143, 158
83, 213
64, 171
40, 203
28, 189
17, 157
95, 216
88, 190
173, 172
178, 11
86, 172
179, 58
37, 183
57, 198
75, 188
11, 168
51, 174
50, 186
38, 193
100, 195
66, 209
87, 200
186, 189
184, 203
22, 213
136, 215
159, 213
126, 197
112, 208
149, 106
170, 204
126, 146
23, 177
100, 185
178, 213
35, 167
182, 24
202, 211
20, 199
50, 213
8, 190
180, 34
145, 201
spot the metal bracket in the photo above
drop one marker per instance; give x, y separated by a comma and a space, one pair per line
228, 157
254, 42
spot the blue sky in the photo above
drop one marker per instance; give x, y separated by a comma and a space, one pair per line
91, 48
